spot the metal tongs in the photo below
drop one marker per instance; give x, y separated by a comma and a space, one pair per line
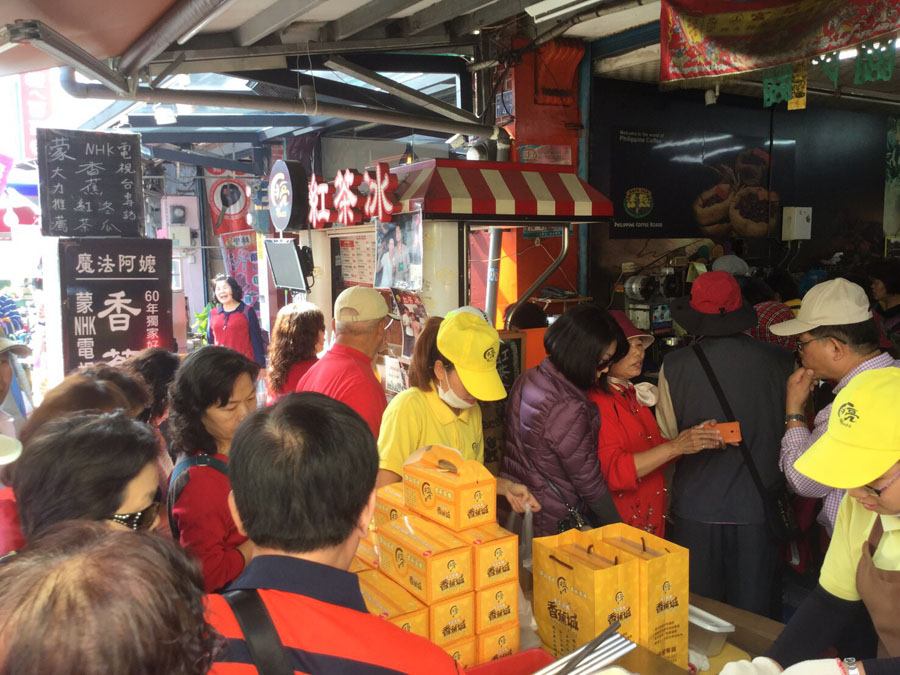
598, 653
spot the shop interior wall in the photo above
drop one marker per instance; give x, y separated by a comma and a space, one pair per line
839, 166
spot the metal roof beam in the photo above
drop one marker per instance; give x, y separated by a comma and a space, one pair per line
275, 132
253, 121
487, 16
439, 13
184, 136
271, 19
342, 65
186, 157
364, 17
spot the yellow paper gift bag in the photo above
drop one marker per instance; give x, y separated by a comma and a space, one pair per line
663, 568
580, 587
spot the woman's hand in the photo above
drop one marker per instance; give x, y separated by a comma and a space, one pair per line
701, 437
517, 495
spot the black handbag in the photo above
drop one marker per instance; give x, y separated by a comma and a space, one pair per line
780, 515
573, 521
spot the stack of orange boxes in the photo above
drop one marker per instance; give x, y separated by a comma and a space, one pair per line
438, 565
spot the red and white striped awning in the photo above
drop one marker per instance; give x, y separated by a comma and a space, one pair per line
467, 190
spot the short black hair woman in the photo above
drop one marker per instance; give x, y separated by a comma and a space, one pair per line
83, 599
453, 367
552, 427
885, 286
233, 324
89, 467
214, 390
298, 336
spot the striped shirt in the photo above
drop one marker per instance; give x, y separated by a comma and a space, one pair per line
798, 440
323, 623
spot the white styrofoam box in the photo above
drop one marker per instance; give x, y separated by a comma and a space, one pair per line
796, 223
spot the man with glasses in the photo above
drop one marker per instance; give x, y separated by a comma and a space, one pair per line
345, 373
860, 578
837, 340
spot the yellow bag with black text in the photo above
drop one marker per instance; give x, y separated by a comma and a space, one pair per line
663, 569
581, 585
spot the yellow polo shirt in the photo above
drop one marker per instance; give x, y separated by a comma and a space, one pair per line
415, 418
852, 528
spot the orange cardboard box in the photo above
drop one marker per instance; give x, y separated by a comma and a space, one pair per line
367, 551
497, 643
449, 490
496, 606
495, 554
464, 652
390, 601
428, 560
452, 620
389, 503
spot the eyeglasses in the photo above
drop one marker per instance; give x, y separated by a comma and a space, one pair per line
877, 492
140, 520
801, 345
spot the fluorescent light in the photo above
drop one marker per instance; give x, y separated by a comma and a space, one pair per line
550, 9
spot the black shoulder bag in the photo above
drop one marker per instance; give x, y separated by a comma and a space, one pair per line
266, 649
201, 459
780, 516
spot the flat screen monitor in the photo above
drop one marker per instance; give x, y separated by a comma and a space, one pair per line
285, 262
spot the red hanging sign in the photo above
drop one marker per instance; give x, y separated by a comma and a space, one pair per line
380, 202
320, 203
347, 198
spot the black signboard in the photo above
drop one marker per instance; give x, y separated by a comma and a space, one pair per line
117, 298
90, 184
288, 203
668, 184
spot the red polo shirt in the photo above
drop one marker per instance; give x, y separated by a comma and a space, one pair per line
345, 374
322, 622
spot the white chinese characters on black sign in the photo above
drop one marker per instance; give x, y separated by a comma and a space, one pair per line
90, 183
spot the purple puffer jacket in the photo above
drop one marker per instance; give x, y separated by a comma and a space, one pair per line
551, 425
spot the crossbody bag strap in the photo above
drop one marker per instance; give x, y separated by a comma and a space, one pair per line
201, 459
720, 394
266, 649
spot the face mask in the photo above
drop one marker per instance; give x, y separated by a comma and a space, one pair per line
451, 398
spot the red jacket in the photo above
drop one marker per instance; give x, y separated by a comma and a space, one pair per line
11, 537
206, 527
627, 429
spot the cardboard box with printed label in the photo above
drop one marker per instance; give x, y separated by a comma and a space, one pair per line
496, 606
389, 503
426, 559
495, 554
456, 493
464, 652
367, 551
452, 620
497, 643
387, 599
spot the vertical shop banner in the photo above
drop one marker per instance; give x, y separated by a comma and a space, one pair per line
117, 298
242, 262
36, 106
672, 184
711, 38
91, 183
6, 165
398, 252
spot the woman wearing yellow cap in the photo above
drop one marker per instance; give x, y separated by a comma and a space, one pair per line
860, 451
453, 367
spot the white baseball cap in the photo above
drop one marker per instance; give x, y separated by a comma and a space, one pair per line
360, 303
832, 303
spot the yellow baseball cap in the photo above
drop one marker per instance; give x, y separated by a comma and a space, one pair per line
863, 437
472, 346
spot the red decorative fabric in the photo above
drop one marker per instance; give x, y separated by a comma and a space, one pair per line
710, 38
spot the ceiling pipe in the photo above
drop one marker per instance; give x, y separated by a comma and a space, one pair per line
288, 105
182, 18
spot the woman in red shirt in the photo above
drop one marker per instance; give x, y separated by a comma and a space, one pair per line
298, 336
233, 324
631, 449
214, 390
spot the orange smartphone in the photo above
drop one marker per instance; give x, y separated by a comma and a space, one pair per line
731, 431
